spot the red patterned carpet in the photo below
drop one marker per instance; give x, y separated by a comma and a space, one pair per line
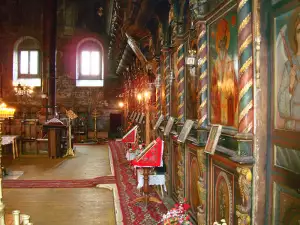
138, 213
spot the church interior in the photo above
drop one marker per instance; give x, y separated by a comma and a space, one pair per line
150, 112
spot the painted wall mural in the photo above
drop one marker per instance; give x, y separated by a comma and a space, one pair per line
287, 70
223, 69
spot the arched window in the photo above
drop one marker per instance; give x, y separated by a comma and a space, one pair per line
27, 61
89, 65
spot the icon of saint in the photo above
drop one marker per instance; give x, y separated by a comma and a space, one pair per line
288, 100
224, 85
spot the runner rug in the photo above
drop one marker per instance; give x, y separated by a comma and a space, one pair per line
137, 213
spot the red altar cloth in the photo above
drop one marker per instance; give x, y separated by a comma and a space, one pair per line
130, 137
151, 156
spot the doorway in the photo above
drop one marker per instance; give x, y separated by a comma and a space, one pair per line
115, 126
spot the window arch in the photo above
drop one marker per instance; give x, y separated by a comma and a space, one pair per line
89, 63
27, 61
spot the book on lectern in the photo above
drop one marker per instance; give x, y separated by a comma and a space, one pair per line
130, 137
151, 156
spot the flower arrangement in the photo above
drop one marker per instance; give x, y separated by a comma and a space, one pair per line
177, 215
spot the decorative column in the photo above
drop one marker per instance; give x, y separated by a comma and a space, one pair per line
181, 115
49, 52
180, 83
158, 91
203, 79
245, 66
167, 82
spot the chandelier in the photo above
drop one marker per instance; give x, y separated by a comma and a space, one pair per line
22, 89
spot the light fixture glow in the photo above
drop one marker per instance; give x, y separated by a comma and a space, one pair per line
146, 94
121, 104
139, 97
6, 112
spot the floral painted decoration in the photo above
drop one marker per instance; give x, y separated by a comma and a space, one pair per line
177, 215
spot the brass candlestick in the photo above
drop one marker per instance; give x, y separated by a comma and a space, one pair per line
71, 115
95, 115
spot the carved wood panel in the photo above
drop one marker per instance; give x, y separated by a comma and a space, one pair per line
196, 183
193, 174
222, 194
175, 164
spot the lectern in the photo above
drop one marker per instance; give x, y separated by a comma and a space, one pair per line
55, 130
129, 139
150, 157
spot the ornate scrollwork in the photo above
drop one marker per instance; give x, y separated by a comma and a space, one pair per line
243, 210
180, 172
243, 219
201, 214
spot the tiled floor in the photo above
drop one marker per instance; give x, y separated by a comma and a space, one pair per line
70, 206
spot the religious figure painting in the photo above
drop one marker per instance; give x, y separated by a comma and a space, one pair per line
213, 139
192, 85
287, 71
223, 70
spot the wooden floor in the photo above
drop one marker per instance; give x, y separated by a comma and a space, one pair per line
91, 161
70, 206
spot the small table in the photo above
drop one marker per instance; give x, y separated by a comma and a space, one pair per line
155, 179
11, 139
